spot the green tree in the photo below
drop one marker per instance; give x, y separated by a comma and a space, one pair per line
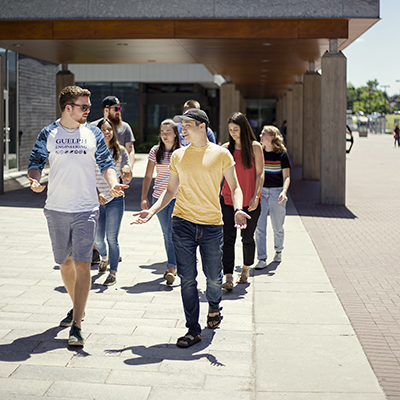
368, 99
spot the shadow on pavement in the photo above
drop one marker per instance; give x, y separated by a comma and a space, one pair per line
268, 270
21, 349
160, 352
305, 196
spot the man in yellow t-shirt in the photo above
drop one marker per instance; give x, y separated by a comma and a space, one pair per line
196, 173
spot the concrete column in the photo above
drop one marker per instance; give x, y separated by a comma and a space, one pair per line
333, 128
243, 106
289, 119
229, 103
284, 108
279, 112
312, 126
297, 150
1, 125
63, 78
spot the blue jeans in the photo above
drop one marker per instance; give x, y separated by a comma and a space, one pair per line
269, 205
186, 237
164, 216
110, 217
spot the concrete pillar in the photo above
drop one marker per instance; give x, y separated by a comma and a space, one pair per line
333, 128
312, 126
228, 103
1, 125
243, 106
284, 108
63, 78
297, 150
278, 111
289, 119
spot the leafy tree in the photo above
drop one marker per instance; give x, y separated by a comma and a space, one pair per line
368, 99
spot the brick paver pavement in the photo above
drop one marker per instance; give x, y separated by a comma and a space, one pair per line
359, 248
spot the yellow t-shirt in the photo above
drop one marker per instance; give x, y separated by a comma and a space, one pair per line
200, 171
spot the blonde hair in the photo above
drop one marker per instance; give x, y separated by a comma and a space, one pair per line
277, 141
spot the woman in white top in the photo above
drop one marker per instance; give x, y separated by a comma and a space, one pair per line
159, 157
111, 211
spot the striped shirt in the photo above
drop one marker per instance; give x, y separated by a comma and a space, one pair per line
274, 163
101, 184
162, 177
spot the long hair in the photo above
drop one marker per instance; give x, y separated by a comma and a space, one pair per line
277, 141
114, 145
161, 145
246, 138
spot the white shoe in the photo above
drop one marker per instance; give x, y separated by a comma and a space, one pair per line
278, 257
261, 264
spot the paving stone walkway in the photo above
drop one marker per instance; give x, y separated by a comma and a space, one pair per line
285, 334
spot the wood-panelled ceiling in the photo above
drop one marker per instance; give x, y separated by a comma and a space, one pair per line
262, 57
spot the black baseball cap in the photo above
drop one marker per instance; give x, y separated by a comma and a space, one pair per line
110, 101
194, 114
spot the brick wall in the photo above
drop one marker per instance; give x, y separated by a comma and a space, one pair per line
36, 101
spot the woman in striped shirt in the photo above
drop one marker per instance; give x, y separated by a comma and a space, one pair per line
159, 157
111, 208
276, 184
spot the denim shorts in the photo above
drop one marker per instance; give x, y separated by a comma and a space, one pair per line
72, 234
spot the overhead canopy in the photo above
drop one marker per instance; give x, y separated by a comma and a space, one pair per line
262, 57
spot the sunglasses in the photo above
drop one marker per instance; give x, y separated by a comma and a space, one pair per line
83, 107
116, 108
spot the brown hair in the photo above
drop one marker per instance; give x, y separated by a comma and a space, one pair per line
191, 104
70, 94
246, 138
277, 141
114, 145
161, 145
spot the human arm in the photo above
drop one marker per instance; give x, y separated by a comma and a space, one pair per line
34, 178
37, 161
144, 203
237, 198
166, 196
110, 176
131, 151
286, 184
102, 199
126, 171
259, 166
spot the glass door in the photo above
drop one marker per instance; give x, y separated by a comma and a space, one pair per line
10, 136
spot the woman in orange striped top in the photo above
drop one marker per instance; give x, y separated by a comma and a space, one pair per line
159, 158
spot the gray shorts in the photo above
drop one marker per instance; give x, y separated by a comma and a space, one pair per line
72, 234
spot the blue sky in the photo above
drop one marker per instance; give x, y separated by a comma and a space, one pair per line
376, 54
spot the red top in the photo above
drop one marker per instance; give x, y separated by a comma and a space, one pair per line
247, 181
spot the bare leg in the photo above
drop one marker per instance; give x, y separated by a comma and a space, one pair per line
69, 276
81, 291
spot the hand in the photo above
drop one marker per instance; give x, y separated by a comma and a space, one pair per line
36, 186
118, 190
253, 203
241, 219
282, 197
144, 204
142, 217
102, 199
126, 175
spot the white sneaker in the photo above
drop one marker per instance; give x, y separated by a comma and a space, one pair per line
278, 257
261, 264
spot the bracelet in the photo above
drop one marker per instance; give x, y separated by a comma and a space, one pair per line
238, 209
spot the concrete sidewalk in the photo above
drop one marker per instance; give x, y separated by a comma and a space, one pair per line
285, 335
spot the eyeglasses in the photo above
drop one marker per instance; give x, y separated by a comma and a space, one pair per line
119, 108
83, 107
